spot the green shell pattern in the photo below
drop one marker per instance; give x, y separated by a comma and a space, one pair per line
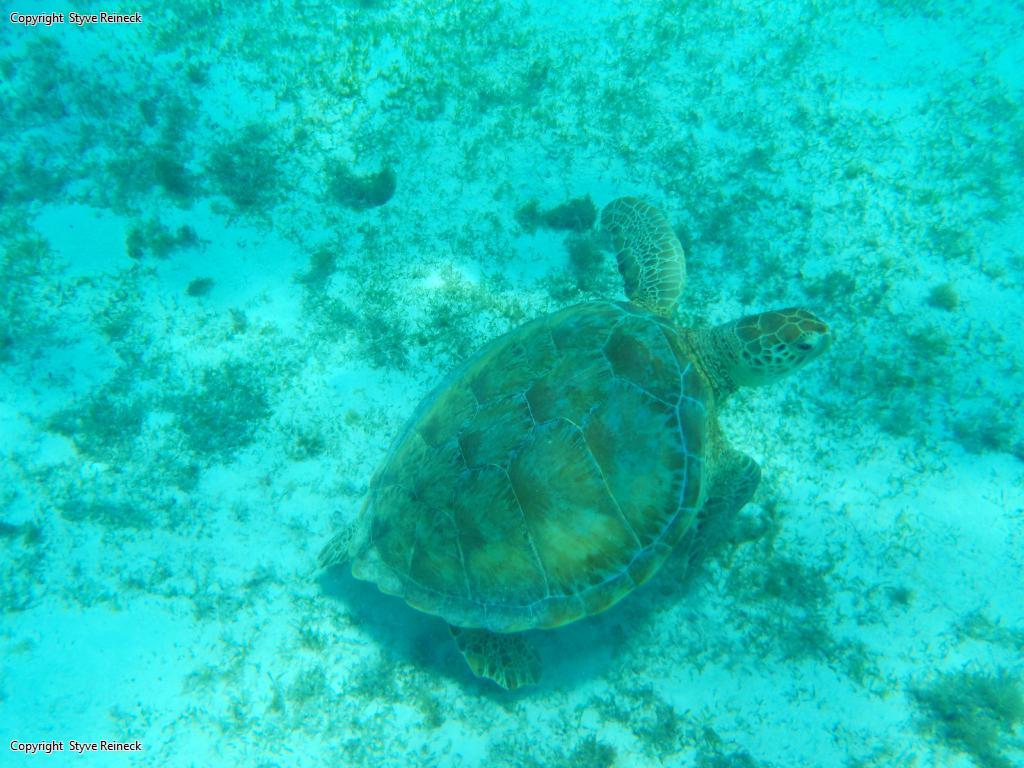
547, 478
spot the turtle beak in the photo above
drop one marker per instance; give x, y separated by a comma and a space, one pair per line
818, 336
827, 338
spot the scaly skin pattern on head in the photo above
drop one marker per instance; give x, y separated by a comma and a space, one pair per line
759, 349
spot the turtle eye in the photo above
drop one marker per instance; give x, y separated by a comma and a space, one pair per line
804, 346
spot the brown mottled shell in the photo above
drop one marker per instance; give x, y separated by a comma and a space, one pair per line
546, 478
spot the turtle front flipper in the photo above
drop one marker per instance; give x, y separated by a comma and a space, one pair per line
733, 480
648, 252
508, 660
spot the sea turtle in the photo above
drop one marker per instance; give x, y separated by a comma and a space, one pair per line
552, 473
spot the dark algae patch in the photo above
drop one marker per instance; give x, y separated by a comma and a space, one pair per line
944, 297
576, 215
104, 424
585, 260
246, 169
153, 238
592, 753
977, 714
360, 193
322, 264
200, 286
223, 413
107, 513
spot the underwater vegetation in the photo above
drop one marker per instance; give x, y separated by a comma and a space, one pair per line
225, 409
592, 753
662, 732
944, 296
20, 566
880, 209
28, 302
151, 237
107, 513
586, 261
989, 431
106, 422
576, 215
305, 443
28, 177
159, 160
323, 263
360, 192
200, 286
978, 626
975, 713
782, 606
171, 174
390, 326
831, 288
246, 168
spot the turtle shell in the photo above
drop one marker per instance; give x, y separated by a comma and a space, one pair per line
547, 478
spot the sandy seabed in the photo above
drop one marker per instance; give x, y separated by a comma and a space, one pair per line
239, 245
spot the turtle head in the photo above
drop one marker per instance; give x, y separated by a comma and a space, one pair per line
762, 348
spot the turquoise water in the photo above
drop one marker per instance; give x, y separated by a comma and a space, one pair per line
240, 243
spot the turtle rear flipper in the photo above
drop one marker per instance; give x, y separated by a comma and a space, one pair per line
508, 660
336, 551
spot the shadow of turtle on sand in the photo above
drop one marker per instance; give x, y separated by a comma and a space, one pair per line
570, 656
